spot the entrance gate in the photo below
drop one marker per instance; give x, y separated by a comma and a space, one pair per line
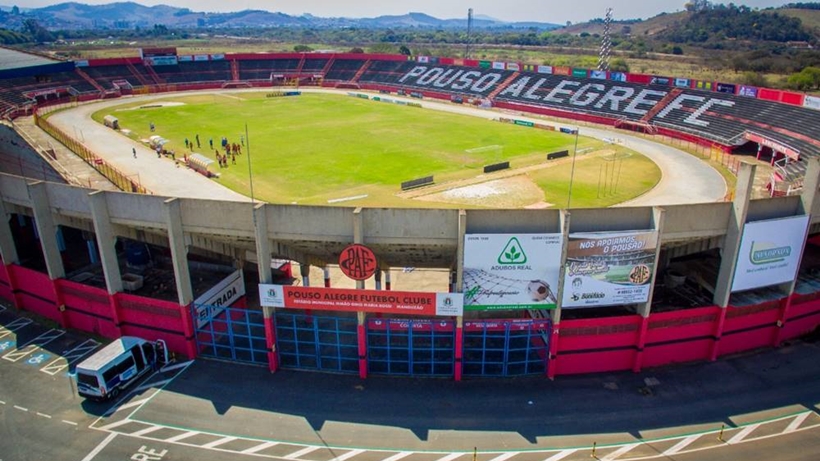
411, 347
230, 334
317, 343
506, 347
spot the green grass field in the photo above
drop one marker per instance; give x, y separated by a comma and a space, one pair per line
318, 147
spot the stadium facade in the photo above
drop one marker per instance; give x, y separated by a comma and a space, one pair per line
549, 292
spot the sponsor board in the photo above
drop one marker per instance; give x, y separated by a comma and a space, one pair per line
511, 271
748, 91
812, 102
374, 301
220, 296
682, 82
605, 269
599, 74
770, 252
544, 69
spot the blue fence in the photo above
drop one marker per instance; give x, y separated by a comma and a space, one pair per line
506, 347
231, 334
317, 343
418, 347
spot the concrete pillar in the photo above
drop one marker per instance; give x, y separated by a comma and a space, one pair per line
658, 216
263, 250
46, 229
378, 278
811, 182
179, 252
182, 275
387, 284
44, 223
555, 315
457, 285
326, 274
106, 241
8, 251
358, 237
304, 271
731, 243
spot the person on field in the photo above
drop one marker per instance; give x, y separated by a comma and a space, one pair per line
134, 151
211, 141
186, 143
151, 126
197, 141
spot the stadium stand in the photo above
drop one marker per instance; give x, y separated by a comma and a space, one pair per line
107, 75
189, 72
343, 70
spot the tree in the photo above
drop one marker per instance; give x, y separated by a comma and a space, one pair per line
356, 50
302, 49
37, 32
15, 10
806, 79
382, 48
619, 65
754, 79
405, 51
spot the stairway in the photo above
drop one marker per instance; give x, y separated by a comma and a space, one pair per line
301, 64
137, 74
154, 75
503, 85
234, 70
90, 80
328, 65
361, 71
661, 104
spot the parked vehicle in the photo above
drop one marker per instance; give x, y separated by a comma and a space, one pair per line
118, 365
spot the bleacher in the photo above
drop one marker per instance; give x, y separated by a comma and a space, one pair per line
387, 72
391, 73
199, 71
313, 65
344, 70
13, 90
106, 75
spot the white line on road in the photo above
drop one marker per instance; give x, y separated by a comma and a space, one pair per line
796, 422
184, 435
2, 402
620, 451
126, 406
347, 455
152, 385
70, 422
259, 447
174, 367
43, 415
743, 433
219, 442
301, 452
681, 445
450, 457
398, 456
147, 430
100, 447
21, 408
113, 425
561, 455
504, 456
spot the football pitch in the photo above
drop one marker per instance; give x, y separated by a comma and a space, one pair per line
329, 149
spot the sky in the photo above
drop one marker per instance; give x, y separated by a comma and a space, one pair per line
506, 10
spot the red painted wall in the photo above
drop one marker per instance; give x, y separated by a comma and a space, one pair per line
152, 319
35, 292
749, 327
596, 345
803, 317
88, 308
680, 336
5, 285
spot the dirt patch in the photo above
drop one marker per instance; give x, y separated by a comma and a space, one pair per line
155, 105
511, 192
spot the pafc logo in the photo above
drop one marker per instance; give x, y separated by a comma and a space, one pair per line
358, 262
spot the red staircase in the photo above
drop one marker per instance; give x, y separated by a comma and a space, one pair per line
361, 71
329, 65
661, 104
234, 70
90, 80
137, 74
154, 75
301, 64
501, 87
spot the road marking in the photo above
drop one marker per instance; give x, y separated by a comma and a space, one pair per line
100, 447
147, 430
681, 445
21, 408
70, 422
117, 424
743, 433
61, 363
174, 367
125, 407
179, 437
347, 455
2, 402
450, 457
30, 348
620, 451
796, 422
15, 325
398, 456
259, 447
45, 338
561, 455
504, 456
301, 452
43, 415
219, 442
152, 385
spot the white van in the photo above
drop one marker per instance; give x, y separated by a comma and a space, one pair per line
118, 365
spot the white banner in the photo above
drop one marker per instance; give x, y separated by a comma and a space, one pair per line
770, 252
812, 102
499, 65
511, 271
544, 69
513, 66
608, 269
220, 296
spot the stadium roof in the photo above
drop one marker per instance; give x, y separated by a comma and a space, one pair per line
11, 59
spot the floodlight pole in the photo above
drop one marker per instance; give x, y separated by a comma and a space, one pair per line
572, 170
250, 170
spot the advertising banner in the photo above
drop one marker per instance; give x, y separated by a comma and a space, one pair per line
186, 58
81, 63
220, 296
579, 73
544, 69
749, 91
605, 269
617, 76
511, 271
424, 59
599, 74
499, 65
349, 300
770, 252
200, 57
726, 88
513, 66
682, 82
217, 57
812, 102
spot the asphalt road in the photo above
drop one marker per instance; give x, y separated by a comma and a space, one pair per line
766, 404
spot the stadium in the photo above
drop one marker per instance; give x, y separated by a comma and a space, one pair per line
651, 284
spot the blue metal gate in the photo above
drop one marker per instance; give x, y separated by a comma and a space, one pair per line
317, 343
230, 334
411, 347
506, 347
